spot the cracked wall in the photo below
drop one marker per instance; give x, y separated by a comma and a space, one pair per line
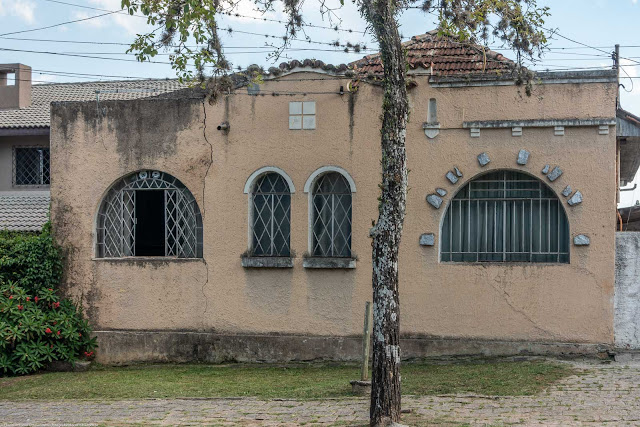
520, 302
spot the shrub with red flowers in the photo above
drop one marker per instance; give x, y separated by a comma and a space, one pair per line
37, 326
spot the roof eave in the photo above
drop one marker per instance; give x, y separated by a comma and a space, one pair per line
24, 131
507, 79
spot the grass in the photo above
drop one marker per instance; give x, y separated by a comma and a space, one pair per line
268, 381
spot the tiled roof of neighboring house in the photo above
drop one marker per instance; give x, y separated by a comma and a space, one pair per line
24, 211
443, 55
37, 115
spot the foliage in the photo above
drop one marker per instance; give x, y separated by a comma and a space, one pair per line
36, 325
301, 381
518, 24
30, 260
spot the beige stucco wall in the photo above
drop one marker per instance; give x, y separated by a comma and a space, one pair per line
544, 302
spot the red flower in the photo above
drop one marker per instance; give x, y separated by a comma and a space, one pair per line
20, 307
48, 330
36, 299
56, 304
88, 354
55, 323
51, 289
10, 296
28, 298
79, 334
58, 333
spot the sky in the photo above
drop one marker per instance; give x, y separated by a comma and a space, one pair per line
597, 23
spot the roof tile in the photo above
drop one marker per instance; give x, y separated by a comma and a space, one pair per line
37, 115
443, 56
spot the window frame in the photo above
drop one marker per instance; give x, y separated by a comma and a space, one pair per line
542, 186
174, 191
309, 189
265, 260
14, 171
302, 114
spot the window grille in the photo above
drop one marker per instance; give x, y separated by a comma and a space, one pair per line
505, 216
271, 216
31, 166
117, 220
331, 220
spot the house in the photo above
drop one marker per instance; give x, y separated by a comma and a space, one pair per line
24, 137
237, 228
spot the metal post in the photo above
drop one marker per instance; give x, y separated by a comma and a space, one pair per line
366, 343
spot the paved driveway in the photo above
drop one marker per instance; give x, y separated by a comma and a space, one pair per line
603, 395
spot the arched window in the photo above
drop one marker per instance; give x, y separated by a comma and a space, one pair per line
271, 216
149, 213
331, 216
505, 216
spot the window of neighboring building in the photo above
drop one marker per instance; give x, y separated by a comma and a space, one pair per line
149, 213
302, 115
31, 166
331, 216
271, 216
505, 216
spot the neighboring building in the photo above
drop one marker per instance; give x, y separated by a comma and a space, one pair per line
24, 136
239, 228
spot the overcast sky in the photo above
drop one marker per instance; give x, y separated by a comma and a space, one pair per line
597, 23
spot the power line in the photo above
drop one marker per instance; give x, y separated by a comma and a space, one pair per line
57, 25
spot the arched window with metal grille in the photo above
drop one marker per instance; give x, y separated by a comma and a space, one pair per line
331, 216
271, 216
149, 213
505, 216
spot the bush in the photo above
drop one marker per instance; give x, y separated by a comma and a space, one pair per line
36, 325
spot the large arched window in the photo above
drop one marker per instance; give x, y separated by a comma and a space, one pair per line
271, 216
149, 213
331, 216
505, 216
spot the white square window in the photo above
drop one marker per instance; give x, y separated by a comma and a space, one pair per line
308, 122
295, 122
302, 115
309, 107
295, 107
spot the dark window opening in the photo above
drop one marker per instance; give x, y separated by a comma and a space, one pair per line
150, 223
31, 166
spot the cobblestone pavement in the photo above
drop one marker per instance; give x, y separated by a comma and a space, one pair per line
602, 395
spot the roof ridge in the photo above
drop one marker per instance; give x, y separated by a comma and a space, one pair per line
166, 79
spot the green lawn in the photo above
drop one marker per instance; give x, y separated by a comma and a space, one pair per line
265, 381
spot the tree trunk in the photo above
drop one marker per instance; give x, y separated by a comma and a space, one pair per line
385, 391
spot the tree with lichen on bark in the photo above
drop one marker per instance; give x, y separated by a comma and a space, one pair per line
516, 23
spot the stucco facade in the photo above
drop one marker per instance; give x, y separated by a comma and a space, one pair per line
216, 296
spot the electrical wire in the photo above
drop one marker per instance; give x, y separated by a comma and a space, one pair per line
57, 25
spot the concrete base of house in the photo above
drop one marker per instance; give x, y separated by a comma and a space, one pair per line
129, 346
624, 355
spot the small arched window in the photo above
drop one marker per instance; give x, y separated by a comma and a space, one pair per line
505, 216
271, 216
331, 216
149, 213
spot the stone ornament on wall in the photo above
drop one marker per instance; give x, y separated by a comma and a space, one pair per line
434, 200
581, 240
483, 159
427, 239
523, 157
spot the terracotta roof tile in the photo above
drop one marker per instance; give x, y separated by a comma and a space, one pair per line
443, 56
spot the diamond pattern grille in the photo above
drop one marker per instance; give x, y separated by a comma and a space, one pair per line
271, 221
117, 218
332, 216
31, 166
